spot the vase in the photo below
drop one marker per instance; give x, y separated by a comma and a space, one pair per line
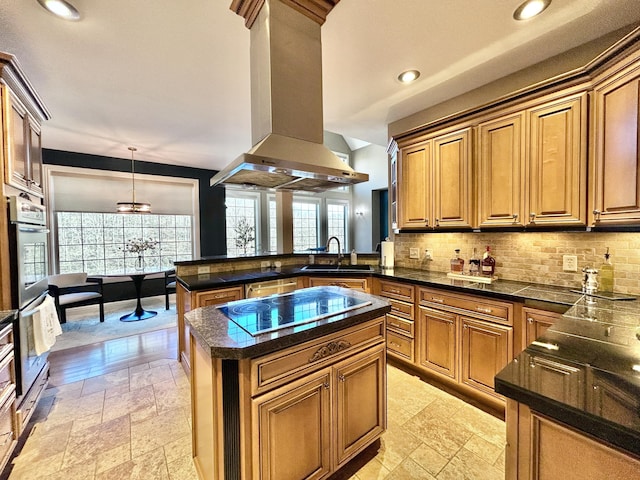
140, 263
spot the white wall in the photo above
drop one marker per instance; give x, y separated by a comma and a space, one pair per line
373, 160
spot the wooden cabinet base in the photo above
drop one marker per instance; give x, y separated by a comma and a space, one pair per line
307, 423
539, 448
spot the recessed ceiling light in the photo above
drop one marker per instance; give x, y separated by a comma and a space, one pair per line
530, 9
408, 76
61, 9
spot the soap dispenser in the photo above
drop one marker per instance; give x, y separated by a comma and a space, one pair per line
606, 273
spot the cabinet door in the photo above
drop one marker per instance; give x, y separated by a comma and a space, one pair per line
360, 402
452, 180
16, 145
293, 437
557, 137
486, 349
414, 186
34, 168
437, 341
501, 187
537, 322
615, 174
183, 305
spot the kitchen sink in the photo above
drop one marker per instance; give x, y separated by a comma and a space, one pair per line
337, 268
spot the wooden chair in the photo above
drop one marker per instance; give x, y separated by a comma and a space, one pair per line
169, 285
75, 290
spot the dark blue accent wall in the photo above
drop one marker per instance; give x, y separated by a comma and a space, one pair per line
211, 199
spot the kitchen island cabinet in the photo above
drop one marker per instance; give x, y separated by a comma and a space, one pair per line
291, 403
575, 389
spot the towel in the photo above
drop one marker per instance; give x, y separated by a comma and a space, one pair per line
46, 326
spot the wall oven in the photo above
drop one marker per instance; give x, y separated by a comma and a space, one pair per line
28, 247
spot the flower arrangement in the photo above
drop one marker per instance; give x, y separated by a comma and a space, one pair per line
140, 245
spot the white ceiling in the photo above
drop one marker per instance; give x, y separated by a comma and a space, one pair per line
172, 77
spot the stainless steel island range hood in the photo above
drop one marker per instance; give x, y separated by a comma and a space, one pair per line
286, 101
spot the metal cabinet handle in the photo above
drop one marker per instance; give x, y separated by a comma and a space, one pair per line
326, 385
465, 326
437, 222
437, 300
484, 310
426, 222
530, 320
515, 218
596, 215
394, 344
341, 378
532, 216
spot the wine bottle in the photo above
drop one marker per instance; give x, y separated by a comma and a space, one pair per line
488, 263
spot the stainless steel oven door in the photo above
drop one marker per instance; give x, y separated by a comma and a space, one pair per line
32, 264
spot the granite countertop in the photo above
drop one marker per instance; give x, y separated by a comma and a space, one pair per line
215, 332
502, 289
7, 316
585, 371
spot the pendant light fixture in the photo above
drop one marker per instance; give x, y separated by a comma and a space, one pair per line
133, 206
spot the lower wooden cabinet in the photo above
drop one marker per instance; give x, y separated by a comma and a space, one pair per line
540, 448
299, 413
438, 341
536, 323
486, 349
293, 430
187, 301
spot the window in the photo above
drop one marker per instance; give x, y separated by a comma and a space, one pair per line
305, 224
241, 224
96, 242
337, 213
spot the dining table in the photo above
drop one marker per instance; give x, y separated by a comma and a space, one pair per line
138, 276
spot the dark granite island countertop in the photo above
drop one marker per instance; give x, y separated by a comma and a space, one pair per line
226, 339
584, 372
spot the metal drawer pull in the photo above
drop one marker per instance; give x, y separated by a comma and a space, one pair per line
394, 344
341, 378
437, 300
326, 385
484, 310
340, 284
329, 349
530, 320
515, 218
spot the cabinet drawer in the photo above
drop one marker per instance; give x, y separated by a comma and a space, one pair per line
30, 401
398, 291
402, 309
217, 297
8, 433
400, 345
361, 284
492, 310
400, 325
7, 376
6, 340
281, 367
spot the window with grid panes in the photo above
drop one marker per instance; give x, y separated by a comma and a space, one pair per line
96, 242
241, 212
305, 225
337, 214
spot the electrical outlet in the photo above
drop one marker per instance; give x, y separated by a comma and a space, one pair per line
428, 254
414, 253
570, 263
203, 269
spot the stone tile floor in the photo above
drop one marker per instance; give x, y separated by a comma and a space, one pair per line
135, 424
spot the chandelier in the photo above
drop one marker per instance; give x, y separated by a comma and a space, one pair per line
133, 206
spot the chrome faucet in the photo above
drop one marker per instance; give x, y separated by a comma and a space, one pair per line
339, 253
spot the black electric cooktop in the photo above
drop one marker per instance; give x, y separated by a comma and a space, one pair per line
266, 314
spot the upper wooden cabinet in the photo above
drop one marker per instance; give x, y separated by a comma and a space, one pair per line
414, 186
21, 114
615, 158
557, 166
434, 182
501, 168
532, 166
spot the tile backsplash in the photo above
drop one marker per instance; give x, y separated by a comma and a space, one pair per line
530, 256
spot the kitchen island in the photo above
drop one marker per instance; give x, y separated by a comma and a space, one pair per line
573, 396
289, 386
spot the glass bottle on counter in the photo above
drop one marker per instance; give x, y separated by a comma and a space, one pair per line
457, 263
474, 263
606, 273
488, 263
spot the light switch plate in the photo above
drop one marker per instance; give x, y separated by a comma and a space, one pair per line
414, 253
570, 263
